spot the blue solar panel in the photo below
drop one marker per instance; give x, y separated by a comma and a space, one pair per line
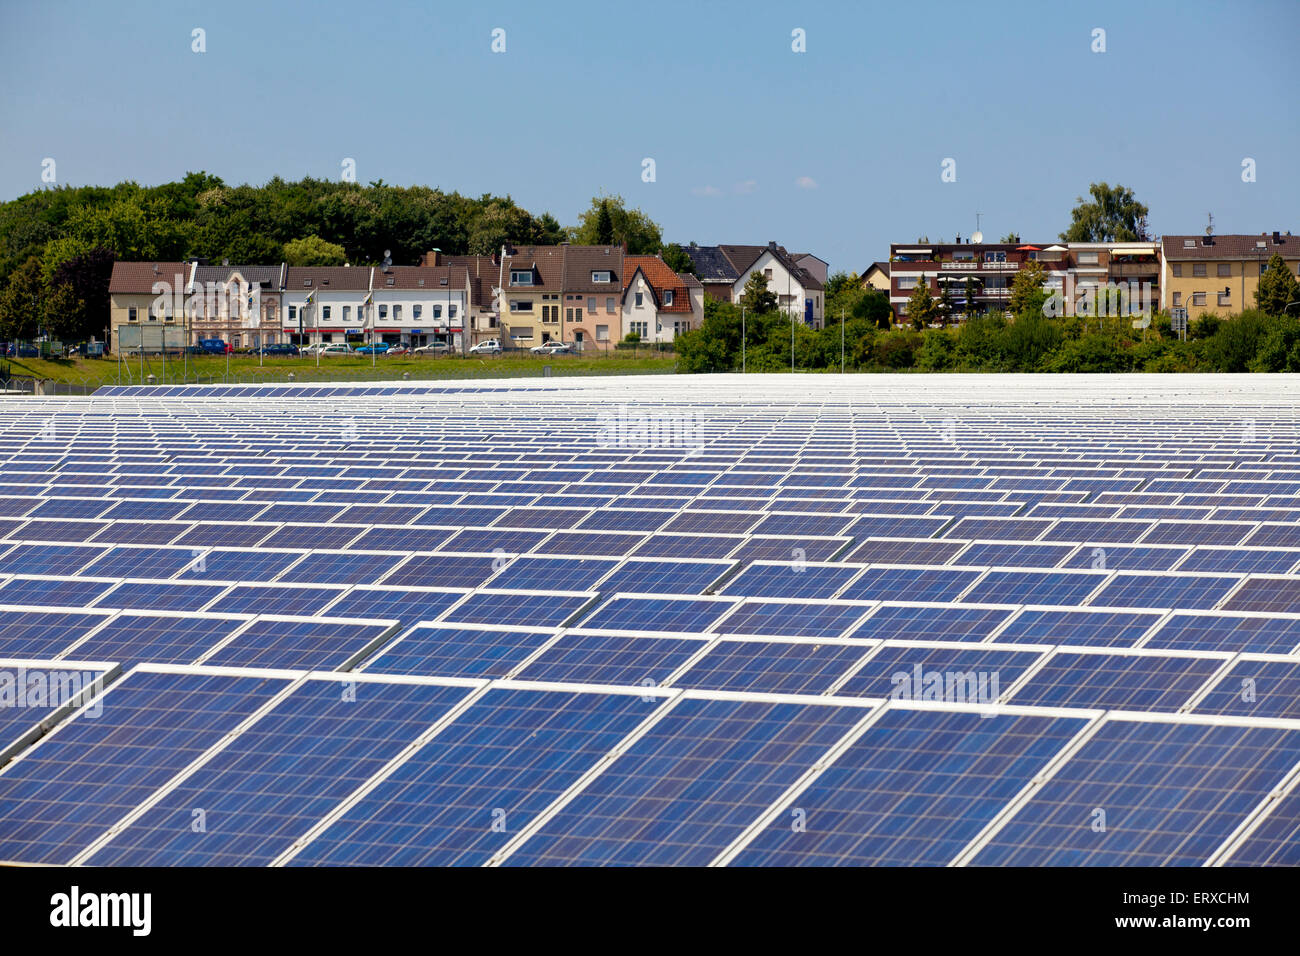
161, 596
664, 577
914, 789
952, 623
32, 692
894, 551
1114, 557
348, 567
408, 607
1034, 587
1193, 592
1171, 793
790, 579
1254, 688
141, 562
1116, 681
1275, 841
566, 574
305, 644
778, 619
1225, 632
772, 667
656, 614
219, 565
954, 673
47, 558
275, 599
68, 790
475, 785
612, 659
158, 639
1100, 628
1240, 561
1273, 595
1000, 554
43, 634
521, 608
45, 592
682, 792
279, 777
446, 570
910, 584
451, 651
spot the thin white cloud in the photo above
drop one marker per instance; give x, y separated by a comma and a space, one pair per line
706, 191
806, 182
748, 186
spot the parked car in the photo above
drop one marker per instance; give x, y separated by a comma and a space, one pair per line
398, 350
490, 347
551, 348
379, 348
335, 348
280, 349
214, 346
433, 348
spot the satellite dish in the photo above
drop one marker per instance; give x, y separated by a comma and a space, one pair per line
976, 237
1209, 230
388, 253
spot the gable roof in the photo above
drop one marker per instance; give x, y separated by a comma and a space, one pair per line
711, 265
484, 272
744, 257
661, 279
581, 261
1231, 247
546, 263
137, 278
426, 278
328, 279
268, 277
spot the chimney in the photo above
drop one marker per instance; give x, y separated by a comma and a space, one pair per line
1277, 238
772, 245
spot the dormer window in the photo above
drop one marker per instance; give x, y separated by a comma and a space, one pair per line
306, 283
668, 296
389, 281
521, 276
602, 276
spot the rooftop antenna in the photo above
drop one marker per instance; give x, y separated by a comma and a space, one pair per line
1209, 229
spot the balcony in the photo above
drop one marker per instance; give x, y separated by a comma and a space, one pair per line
1134, 269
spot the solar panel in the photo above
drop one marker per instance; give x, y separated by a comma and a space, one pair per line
158, 637
1164, 590
308, 644
67, 791
581, 658
910, 584
774, 667
1170, 793
268, 786
913, 789
657, 614
1275, 595
482, 779
933, 622
682, 792
447, 650
789, 579
1075, 677
792, 619
1100, 627
945, 672
1252, 633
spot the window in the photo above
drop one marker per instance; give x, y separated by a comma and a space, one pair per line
577, 314
325, 312
521, 277
1263, 267
604, 276
1178, 270
521, 305
1198, 269
995, 257
1198, 298
293, 313
397, 313
602, 333
1178, 298
680, 327
1225, 297
609, 304
1224, 269
591, 305
1087, 258
131, 315
383, 311
568, 315
641, 328
1189, 243
638, 300
668, 296
767, 274
416, 312
451, 312
906, 282
437, 312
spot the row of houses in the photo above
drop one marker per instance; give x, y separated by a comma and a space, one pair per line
589, 296
1215, 274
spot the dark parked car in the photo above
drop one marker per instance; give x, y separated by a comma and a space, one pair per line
282, 349
214, 347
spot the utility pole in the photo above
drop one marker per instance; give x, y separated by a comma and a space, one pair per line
841, 339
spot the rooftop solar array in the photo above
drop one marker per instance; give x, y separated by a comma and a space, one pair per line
692, 621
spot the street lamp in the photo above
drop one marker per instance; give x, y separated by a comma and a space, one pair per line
742, 340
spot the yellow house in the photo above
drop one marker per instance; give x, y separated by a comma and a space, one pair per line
1218, 275
142, 298
876, 277
532, 296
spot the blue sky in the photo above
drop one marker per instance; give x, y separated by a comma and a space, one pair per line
836, 150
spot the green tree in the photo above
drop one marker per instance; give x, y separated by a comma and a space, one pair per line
757, 297
675, 258
944, 306
82, 310
631, 226
920, 304
63, 313
22, 302
1027, 295
1113, 215
314, 251
970, 296
1277, 287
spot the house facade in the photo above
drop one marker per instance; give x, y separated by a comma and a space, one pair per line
659, 304
326, 304
723, 271
532, 299
593, 283
1219, 275
142, 304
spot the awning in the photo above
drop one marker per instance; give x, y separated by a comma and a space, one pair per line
1028, 248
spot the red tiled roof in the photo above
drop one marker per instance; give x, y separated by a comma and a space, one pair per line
661, 279
137, 278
